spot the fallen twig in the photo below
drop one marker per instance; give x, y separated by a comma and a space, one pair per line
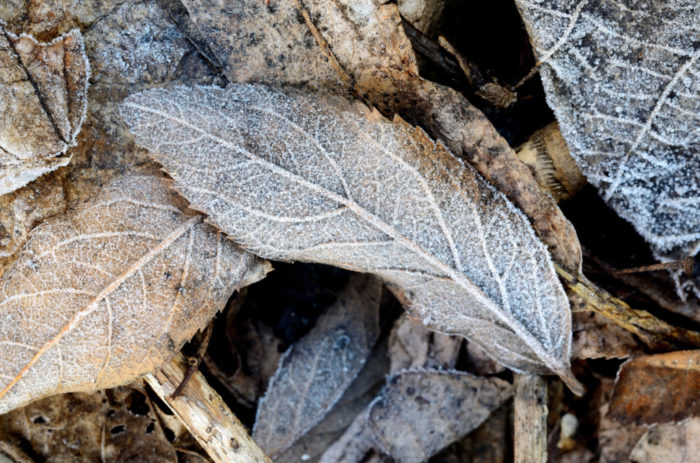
205, 415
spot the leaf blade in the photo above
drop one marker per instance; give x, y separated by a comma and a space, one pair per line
388, 215
106, 294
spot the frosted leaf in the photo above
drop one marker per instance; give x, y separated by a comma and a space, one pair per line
43, 100
296, 176
109, 291
418, 413
316, 371
623, 78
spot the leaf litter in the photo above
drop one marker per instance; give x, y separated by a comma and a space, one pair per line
369, 196
117, 35
315, 372
110, 291
43, 102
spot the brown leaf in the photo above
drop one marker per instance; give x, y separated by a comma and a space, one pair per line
315, 372
657, 388
267, 42
418, 413
298, 177
412, 345
595, 336
112, 425
109, 291
43, 100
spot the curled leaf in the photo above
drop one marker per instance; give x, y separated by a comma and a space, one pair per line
292, 176
108, 292
43, 100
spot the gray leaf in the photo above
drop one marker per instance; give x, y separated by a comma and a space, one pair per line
623, 79
315, 372
294, 176
418, 413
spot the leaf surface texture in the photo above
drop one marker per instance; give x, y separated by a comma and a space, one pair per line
317, 370
43, 101
623, 79
294, 176
110, 291
419, 412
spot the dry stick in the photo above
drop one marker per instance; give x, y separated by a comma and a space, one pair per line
206, 415
530, 419
195, 361
656, 333
496, 94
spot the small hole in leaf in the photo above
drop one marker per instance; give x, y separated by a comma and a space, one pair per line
40, 420
117, 429
151, 426
136, 404
169, 434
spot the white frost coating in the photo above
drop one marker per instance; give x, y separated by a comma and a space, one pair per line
317, 370
110, 290
623, 78
295, 176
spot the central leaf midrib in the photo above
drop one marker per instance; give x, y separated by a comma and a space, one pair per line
377, 222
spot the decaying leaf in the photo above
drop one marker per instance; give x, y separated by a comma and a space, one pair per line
353, 402
657, 388
292, 176
43, 100
267, 42
110, 425
364, 43
315, 372
418, 413
108, 292
622, 79
412, 345
595, 336
669, 443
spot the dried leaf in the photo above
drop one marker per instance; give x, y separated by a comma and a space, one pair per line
267, 42
623, 82
43, 100
315, 372
657, 388
108, 292
356, 398
669, 443
365, 44
595, 336
112, 425
412, 345
418, 413
295, 177
615, 440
